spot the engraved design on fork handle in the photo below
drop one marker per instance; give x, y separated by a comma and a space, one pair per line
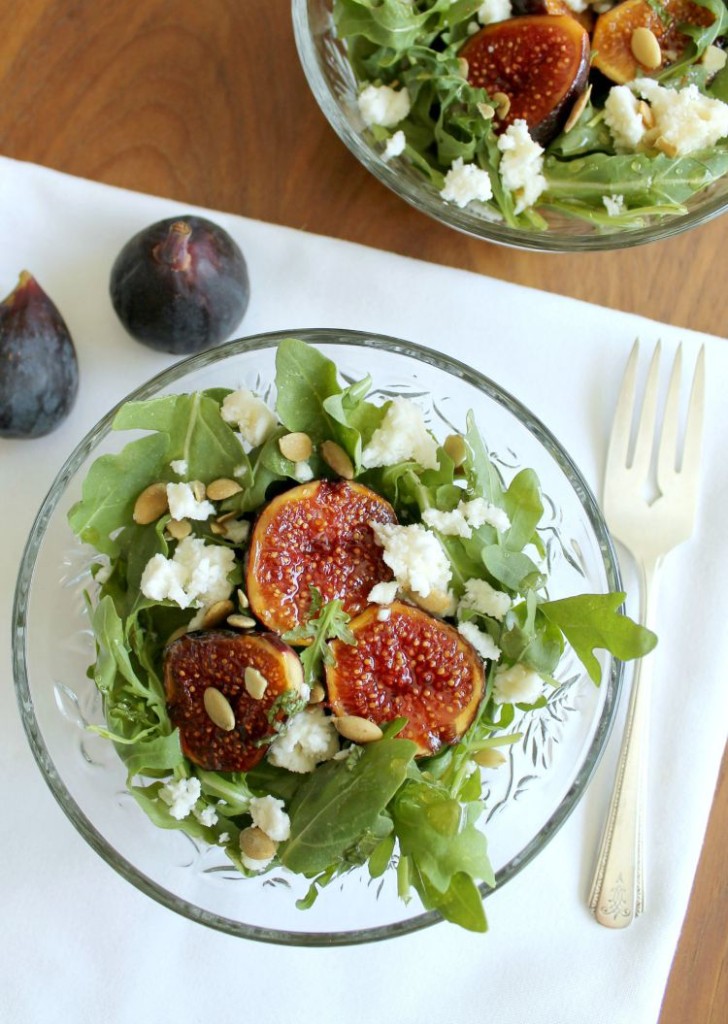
617, 894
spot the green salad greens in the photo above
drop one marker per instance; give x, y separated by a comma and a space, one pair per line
603, 165
372, 804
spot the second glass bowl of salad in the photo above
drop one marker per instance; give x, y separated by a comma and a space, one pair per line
600, 191
527, 798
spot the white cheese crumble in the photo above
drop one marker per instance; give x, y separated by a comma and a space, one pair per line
614, 205
180, 795
184, 505
521, 165
394, 145
207, 816
383, 593
268, 814
179, 466
468, 516
482, 642
577, 6
401, 435
236, 530
310, 737
249, 415
623, 119
516, 685
383, 105
465, 183
415, 556
302, 472
196, 574
684, 119
480, 596
494, 10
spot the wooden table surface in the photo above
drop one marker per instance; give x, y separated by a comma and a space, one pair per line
206, 102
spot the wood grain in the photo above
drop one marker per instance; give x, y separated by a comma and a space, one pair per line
207, 103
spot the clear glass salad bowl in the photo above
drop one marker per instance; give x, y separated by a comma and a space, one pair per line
329, 75
528, 798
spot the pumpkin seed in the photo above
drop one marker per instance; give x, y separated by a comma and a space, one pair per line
178, 529
578, 109
218, 709
255, 682
296, 447
254, 843
198, 490
243, 601
456, 448
241, 621
317, 694
217, 613
502, 104
223, 488
645, 48
490, 757
356, 729
151, 504
336, 458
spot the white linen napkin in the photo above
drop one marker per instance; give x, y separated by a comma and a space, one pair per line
79, 943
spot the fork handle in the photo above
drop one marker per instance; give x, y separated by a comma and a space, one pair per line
617, 893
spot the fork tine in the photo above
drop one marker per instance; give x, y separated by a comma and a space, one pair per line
622, 423
644, 441
667, 453
694, 424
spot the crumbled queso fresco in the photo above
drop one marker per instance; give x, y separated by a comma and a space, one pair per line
249, 415
197, 574
402, 435
684, 119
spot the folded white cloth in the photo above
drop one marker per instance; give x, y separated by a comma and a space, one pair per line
79, 943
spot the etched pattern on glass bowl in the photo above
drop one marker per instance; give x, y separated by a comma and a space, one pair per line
528, 798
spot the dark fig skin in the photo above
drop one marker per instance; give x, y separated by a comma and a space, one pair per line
38, 363
180, 285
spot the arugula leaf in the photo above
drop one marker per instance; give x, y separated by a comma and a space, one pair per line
593, 620
326, 622
304, 380
338, 803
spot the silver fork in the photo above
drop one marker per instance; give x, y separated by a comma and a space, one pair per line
649, 529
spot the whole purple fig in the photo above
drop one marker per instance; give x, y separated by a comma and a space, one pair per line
38, 365
180, 285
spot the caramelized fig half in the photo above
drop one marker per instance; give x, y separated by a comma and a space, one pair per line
539, 62
225, 721
317, 534
615, 50
407, 665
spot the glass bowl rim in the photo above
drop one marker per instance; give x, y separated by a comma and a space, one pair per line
270, 340
459, 219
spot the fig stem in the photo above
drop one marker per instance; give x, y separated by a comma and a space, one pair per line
174, 250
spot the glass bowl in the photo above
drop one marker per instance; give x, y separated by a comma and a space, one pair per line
324, 61
528, 799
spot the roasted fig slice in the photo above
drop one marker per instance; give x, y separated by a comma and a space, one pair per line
539, 62
221, 688
317, 534
407, 665
622, 56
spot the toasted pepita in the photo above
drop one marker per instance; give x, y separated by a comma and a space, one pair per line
254, 843
490, 757
502, 104
217, 613
645, 48
223, 488
151, 504
356, 729
317, 694
178, 529
218, 709
578, 109
241, 621
335, 457
255, 682
296, 447
456, 448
